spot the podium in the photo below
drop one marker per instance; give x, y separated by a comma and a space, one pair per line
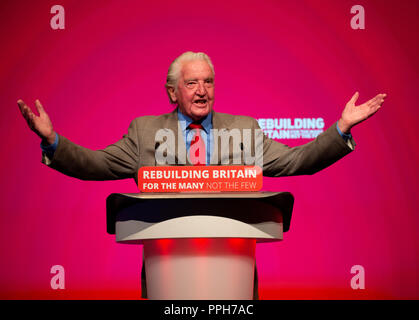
199, 245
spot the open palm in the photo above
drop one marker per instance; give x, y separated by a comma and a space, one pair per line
352, 114
41, 124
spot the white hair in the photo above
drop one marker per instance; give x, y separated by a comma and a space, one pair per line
175, 68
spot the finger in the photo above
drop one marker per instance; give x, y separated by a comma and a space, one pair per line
374, 110
378, 106
373, 101
21, 105
380, 99
376, 100
354, 97
380, 96
26, 111
39, 107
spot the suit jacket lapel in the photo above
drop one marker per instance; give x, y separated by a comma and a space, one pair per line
179, 149
221, 124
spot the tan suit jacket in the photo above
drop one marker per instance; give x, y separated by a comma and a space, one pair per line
137, 148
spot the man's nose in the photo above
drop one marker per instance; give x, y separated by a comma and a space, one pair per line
201, 90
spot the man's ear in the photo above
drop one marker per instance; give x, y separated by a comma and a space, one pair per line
171, 92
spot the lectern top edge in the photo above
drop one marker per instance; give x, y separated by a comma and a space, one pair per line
115, 202
197, 195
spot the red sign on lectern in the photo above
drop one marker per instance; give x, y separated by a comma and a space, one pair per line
200, 179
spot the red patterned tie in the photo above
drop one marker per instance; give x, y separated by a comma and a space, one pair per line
197, 153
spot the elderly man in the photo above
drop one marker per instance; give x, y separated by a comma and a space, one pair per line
190, 85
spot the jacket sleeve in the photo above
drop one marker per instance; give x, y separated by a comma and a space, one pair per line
117, 161
309, 158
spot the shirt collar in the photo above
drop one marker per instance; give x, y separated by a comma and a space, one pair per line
185, 121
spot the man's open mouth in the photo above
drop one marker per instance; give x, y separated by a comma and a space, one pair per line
200, 102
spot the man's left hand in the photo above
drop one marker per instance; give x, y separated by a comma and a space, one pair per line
352, 115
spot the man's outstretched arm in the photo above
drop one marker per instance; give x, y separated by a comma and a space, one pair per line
327, 148
117, 161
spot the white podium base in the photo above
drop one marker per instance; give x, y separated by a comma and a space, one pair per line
200, 269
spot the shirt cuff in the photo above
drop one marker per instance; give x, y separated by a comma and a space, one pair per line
49, 150
345, 136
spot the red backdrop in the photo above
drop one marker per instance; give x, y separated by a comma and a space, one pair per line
273, 59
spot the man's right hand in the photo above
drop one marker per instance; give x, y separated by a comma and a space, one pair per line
41, 124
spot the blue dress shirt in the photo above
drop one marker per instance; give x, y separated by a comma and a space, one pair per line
206, 135
345, 136
49, 150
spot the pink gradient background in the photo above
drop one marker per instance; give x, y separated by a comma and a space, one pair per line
272, 59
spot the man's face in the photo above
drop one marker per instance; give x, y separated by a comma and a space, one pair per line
195, 91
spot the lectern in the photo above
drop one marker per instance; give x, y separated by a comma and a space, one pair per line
199, 245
